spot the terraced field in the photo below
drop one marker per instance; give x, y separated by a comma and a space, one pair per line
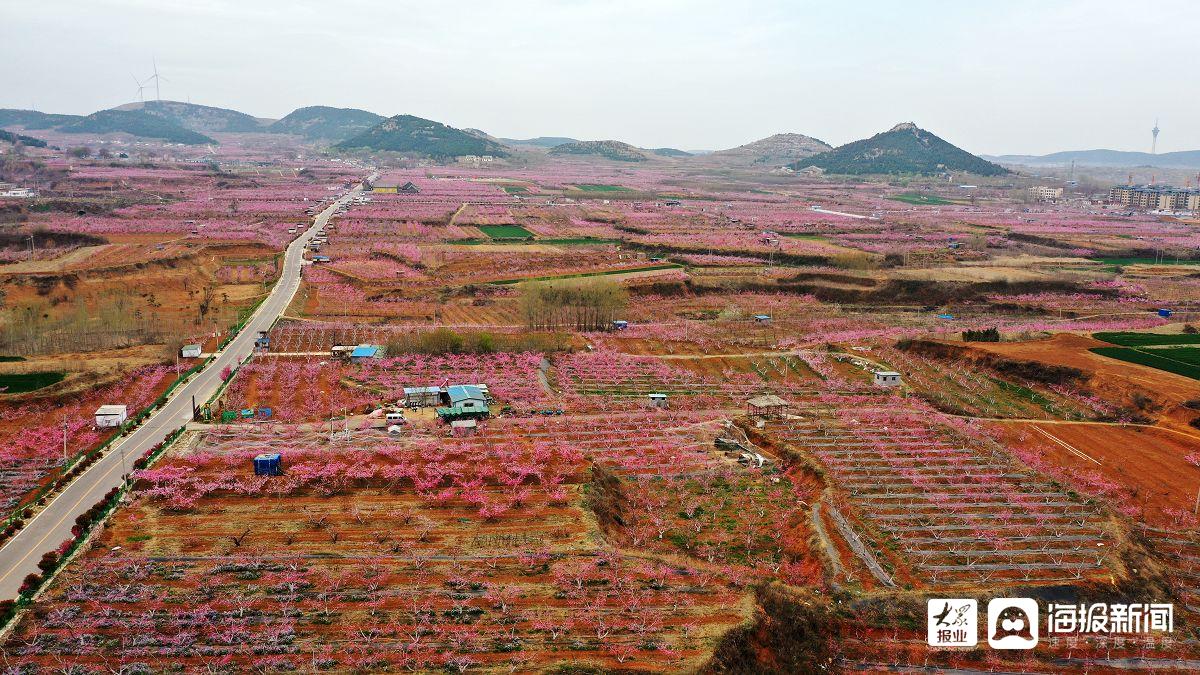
941, 507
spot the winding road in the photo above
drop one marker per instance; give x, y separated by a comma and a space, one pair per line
52, 525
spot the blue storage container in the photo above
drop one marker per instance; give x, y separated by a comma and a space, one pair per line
268, 464
1164, 313
264, 412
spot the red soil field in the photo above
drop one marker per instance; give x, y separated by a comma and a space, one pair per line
1149, 464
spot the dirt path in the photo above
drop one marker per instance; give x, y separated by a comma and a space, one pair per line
454, 216
543, 368
859, 548
835, 561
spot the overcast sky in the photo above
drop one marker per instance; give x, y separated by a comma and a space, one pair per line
1012, 76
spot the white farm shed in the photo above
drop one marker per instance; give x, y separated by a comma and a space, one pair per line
190, 352
887, 378
111, 415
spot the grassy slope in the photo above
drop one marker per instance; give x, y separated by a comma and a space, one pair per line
18, 383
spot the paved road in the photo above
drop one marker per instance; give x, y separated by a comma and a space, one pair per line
50, 527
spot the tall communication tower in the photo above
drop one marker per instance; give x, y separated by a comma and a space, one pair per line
1154, 138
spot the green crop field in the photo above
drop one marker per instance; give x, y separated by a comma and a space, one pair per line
1182, 361
505, 231
19, 383
1126, 339
1118, 262
921, 200
597, 187
515, 189
1186, 354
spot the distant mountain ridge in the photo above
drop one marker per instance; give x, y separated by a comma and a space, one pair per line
539, 142
670, 152
408, 133
776, 150
320, 122
1184, 159
615, 150
903, 149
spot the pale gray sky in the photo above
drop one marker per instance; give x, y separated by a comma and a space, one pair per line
1012, 76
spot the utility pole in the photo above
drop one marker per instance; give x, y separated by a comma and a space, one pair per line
124, 468
64, 441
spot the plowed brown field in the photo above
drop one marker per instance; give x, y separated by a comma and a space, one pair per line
1148, 463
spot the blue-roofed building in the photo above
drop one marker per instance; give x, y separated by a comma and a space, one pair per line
364, 352
467, 401
467, 397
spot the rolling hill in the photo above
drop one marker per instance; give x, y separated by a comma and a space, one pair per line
321, 122
406, 133
1186, 159
14, 138
904, 149
33, 119
203, 119
775, 151
614, 150
670, 152
135, 123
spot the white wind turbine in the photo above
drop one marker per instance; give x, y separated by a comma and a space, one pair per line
141, 88
157, 78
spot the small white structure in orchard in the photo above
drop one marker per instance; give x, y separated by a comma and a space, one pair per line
190, 351
887, 378
463, 427
658, 400
111, 415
